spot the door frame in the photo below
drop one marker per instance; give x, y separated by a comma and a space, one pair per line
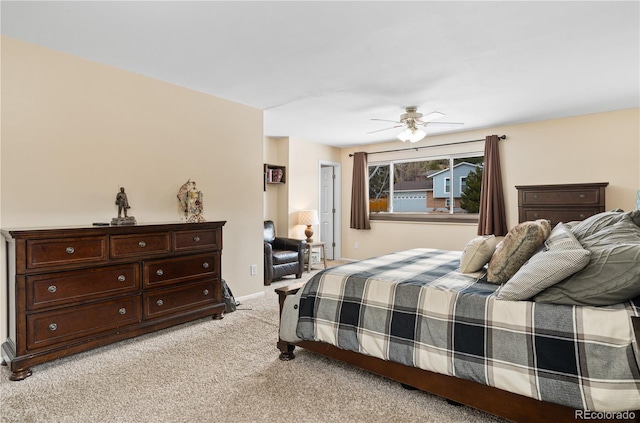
337, 203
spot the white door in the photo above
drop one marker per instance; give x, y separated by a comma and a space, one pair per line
327, 209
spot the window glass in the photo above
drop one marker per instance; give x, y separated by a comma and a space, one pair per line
449, 185
470, 177
378, 188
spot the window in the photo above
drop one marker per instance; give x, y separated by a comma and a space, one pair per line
426, 188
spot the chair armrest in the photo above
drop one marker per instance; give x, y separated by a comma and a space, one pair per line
289, 244
268, 254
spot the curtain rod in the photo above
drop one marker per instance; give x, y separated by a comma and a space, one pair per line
429, 146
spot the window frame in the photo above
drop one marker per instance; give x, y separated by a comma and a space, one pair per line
391, 216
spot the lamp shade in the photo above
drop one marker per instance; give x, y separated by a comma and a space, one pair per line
411, 135
308, 217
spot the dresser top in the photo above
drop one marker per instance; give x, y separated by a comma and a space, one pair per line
564, 186
89, 230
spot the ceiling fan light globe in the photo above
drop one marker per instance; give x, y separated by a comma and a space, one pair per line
411, 135
405, 135
417, 135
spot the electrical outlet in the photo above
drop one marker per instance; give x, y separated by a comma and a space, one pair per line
356, 245
254, 269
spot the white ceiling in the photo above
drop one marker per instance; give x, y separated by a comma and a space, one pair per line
322, 70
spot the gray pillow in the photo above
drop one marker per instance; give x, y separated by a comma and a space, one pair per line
613, 273
560, 257
477, 253
593, 224
516, 248
635, 216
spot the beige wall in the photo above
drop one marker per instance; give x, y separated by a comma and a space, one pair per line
602, 147
305, 158
276, 196
73, 131
300, 192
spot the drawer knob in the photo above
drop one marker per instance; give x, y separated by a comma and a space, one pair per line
159, 272
53, 327
535, 215
159, 303
582, 216
142, 244
205, 265
205, 292
52, 289
122, 311
70, 250
122, 278
196, 238
582, 196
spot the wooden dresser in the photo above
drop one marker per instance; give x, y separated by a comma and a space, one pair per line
560, 203
74, 289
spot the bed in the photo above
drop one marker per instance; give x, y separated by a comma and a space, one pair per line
415, 317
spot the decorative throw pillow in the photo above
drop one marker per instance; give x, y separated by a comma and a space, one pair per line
560, 257
516, 248
635, 216
593, 224
612, 275
477, 253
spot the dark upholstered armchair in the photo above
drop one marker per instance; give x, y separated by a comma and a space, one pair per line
282, 256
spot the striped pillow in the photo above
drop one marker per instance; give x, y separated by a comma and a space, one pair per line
559, 257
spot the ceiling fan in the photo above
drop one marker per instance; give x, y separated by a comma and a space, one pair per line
411, 120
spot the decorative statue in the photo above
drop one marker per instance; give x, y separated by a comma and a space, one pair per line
190, 202
123, 205
122, 202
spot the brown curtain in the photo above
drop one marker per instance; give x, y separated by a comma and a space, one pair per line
493, 217
360, 193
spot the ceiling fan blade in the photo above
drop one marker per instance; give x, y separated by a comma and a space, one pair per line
384, 129
443, 125
432, 116
387, 120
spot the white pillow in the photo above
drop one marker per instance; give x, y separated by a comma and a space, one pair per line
477, 253
561, 256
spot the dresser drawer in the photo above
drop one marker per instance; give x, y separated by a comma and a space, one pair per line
53, 289
197, 239
557, 215
174, 300
180, 269
573, 197
79, 322
140, 244
65, 251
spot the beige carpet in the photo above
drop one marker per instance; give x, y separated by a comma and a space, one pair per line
215, 371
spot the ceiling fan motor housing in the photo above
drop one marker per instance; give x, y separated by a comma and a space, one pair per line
411, 114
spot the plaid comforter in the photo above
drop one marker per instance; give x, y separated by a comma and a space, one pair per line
415, 308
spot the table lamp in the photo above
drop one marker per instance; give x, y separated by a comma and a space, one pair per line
308, 218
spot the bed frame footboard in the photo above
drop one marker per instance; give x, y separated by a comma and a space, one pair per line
492, 400
286, 348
